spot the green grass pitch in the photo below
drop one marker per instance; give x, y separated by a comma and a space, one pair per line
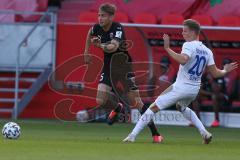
55, 140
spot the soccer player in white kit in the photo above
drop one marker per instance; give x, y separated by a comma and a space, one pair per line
194, 58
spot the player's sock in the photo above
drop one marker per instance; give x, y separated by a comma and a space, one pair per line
191, 116
118, 108
142, 122
216, 116
151, 124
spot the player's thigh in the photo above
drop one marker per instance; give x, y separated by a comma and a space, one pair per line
167, 98
103, 93
134, 99
185, 101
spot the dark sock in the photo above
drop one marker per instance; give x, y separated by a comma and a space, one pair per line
216, 111
216, 116
118, 108
153, 128
151, 124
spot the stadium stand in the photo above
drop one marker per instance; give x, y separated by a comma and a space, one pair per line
68, 15
88, 17
230, 21
13, 32
145, 18
172, 19
71, 10
204, 20
20, 5
121, 17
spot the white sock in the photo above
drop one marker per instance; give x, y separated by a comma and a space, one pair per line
191, 116
142, 122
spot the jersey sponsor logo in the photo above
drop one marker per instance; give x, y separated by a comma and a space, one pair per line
111, 35
118, 34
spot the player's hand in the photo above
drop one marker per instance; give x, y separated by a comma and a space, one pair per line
87, 58
96, 41
166, 40
231, 66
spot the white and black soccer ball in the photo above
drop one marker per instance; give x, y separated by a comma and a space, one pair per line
82, 116
11, 130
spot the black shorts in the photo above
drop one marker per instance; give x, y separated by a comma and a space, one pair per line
128, 83
117, 73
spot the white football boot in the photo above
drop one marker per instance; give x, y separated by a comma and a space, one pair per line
207, 137
130, 138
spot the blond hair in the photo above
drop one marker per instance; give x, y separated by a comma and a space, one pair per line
108, 8
192, 25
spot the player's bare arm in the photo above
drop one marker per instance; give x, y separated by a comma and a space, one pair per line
96, 41
216, 72
180, 58
110, 47
107, 47
87, 58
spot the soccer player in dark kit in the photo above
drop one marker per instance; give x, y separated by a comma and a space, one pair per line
109, 35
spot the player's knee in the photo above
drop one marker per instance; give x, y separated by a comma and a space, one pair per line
139, 104
100, 101
180, 108
154, 108
136, 104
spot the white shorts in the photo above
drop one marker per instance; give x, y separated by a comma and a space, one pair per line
181, 94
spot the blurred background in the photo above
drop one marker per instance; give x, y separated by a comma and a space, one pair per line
41, 43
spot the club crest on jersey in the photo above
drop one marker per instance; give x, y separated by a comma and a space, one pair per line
118, 34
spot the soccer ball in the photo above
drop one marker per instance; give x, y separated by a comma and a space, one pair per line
82, 116
11, 130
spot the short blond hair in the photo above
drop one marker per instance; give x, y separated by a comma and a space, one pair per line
108, 8
192, 25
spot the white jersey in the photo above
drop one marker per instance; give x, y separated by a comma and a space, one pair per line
200, 57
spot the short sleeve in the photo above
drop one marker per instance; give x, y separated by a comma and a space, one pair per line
119, 33
186, 49
211, 59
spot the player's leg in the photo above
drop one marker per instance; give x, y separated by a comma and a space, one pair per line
105, 99
166, 99
196, 106
218, 99
130, 90
192, 117
136, 102
103, 93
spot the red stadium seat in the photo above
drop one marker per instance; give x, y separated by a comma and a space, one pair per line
28, 5
230, 21
43, 4
146, 18
88, 17
207, 103
204, 20
173, 19
236, 104
121, 17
